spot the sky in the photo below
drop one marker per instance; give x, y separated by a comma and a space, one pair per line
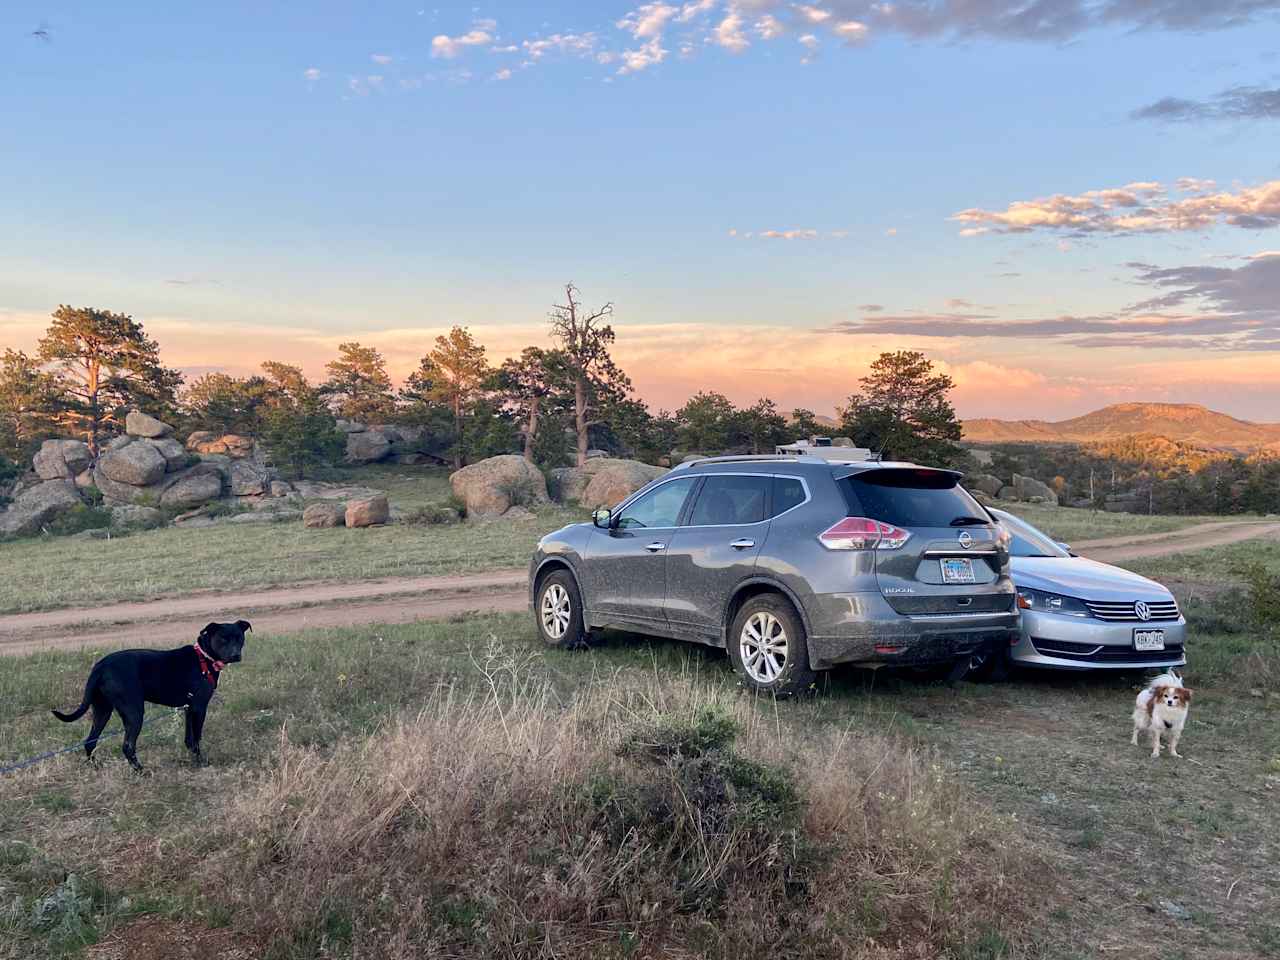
1064, 203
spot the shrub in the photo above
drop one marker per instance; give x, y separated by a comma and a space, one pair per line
519, 490
432, 514
637, 819
79, 518
1263, 595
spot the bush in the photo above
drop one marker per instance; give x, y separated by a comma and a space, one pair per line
432, 514
518, 490
77, 519
635, 820
301, 436
1263, 595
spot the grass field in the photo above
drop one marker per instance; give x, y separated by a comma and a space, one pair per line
982, 821
1074, 525
42, 574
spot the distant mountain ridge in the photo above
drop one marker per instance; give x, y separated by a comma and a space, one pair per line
1188, 422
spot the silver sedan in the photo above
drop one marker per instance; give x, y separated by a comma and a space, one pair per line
1078, 614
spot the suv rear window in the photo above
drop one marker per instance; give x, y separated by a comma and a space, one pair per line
909, 498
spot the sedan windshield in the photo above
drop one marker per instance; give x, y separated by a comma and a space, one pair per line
1027, 540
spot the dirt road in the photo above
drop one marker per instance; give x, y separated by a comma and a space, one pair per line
173, 621
1116, 549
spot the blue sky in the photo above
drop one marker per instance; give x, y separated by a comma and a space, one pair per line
745, 180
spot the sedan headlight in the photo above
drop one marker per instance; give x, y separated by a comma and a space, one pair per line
1043, 602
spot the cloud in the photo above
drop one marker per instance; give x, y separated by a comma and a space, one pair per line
769, 27
870, 307
1134, 208
503, 74
1234, 103
381, 58
809, 41
648, 55
570, 44
729, 34
1195, 185
850, 31
312, 73
647, 22
893, 232
695, 9
449, 47
1196, 307
795, 233
812, 14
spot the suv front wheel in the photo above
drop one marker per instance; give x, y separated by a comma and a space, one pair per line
558, 611
768, 647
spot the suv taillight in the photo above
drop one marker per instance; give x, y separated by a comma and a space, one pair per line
861, 533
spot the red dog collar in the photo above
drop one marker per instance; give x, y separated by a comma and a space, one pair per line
209, 667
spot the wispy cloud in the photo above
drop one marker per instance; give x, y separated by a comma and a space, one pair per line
1235, 103
647, 55
381, 58
503, 74
570, 44
449, 47
1196, 307
647, 22
794, 233
1134, 208
312, 73
729, 34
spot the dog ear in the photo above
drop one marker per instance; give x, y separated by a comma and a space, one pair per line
245, 626
209, 629
1184, 694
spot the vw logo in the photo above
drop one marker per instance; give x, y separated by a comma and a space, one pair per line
965, 539
1141, 610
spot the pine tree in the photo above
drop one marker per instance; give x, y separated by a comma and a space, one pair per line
106, 364
903, 411
359, 383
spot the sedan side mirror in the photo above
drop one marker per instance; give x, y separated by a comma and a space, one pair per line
602, 518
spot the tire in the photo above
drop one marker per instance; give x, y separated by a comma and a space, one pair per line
557, 611
782, 669
989, 665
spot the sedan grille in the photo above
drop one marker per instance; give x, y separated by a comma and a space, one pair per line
1097, 653
1117, 610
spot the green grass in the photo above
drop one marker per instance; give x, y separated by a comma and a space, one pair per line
1049, 753
1072, 524
46, 573
1211, 565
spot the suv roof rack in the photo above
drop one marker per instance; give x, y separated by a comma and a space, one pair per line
754, 458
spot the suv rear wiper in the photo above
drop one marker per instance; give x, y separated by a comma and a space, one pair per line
969, 522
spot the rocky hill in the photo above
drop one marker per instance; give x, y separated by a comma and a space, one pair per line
1187, 422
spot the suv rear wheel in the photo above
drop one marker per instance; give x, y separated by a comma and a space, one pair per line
768, 647
558, 611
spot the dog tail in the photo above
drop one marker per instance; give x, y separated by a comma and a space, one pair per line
75, 714
80, 711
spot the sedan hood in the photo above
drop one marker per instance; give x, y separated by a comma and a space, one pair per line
1084, 579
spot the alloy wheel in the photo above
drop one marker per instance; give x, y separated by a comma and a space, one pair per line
556, 611
763, 646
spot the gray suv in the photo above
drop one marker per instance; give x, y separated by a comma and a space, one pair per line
792, 563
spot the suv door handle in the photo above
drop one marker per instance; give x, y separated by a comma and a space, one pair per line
656, 546
743, 544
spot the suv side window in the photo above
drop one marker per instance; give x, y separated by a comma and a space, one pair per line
788, 492
658, 508
731, 500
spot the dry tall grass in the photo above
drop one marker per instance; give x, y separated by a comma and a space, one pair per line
640, 819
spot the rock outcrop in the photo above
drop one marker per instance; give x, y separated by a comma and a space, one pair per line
369, 512
492, 487
603, 482
36, 505
139, 424
323, 515
983, 483
61, 459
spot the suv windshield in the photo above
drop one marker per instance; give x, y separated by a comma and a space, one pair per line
911, 497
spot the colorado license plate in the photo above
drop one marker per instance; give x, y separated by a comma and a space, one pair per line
957, 570
1148, 639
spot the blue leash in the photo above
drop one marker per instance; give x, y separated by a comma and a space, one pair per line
32, 761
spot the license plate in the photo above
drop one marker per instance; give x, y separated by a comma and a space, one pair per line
957, 570
1148, 639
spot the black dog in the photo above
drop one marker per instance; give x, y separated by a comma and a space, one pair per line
125, 680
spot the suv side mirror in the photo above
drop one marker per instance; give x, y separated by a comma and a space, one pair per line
602, 518
1063, 546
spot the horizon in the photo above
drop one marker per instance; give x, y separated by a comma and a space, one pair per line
1063, 210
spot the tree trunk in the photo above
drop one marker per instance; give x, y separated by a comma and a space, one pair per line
94, 415
580, 418
457, 432
531, 432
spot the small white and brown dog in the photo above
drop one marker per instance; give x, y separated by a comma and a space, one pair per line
1162, 708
